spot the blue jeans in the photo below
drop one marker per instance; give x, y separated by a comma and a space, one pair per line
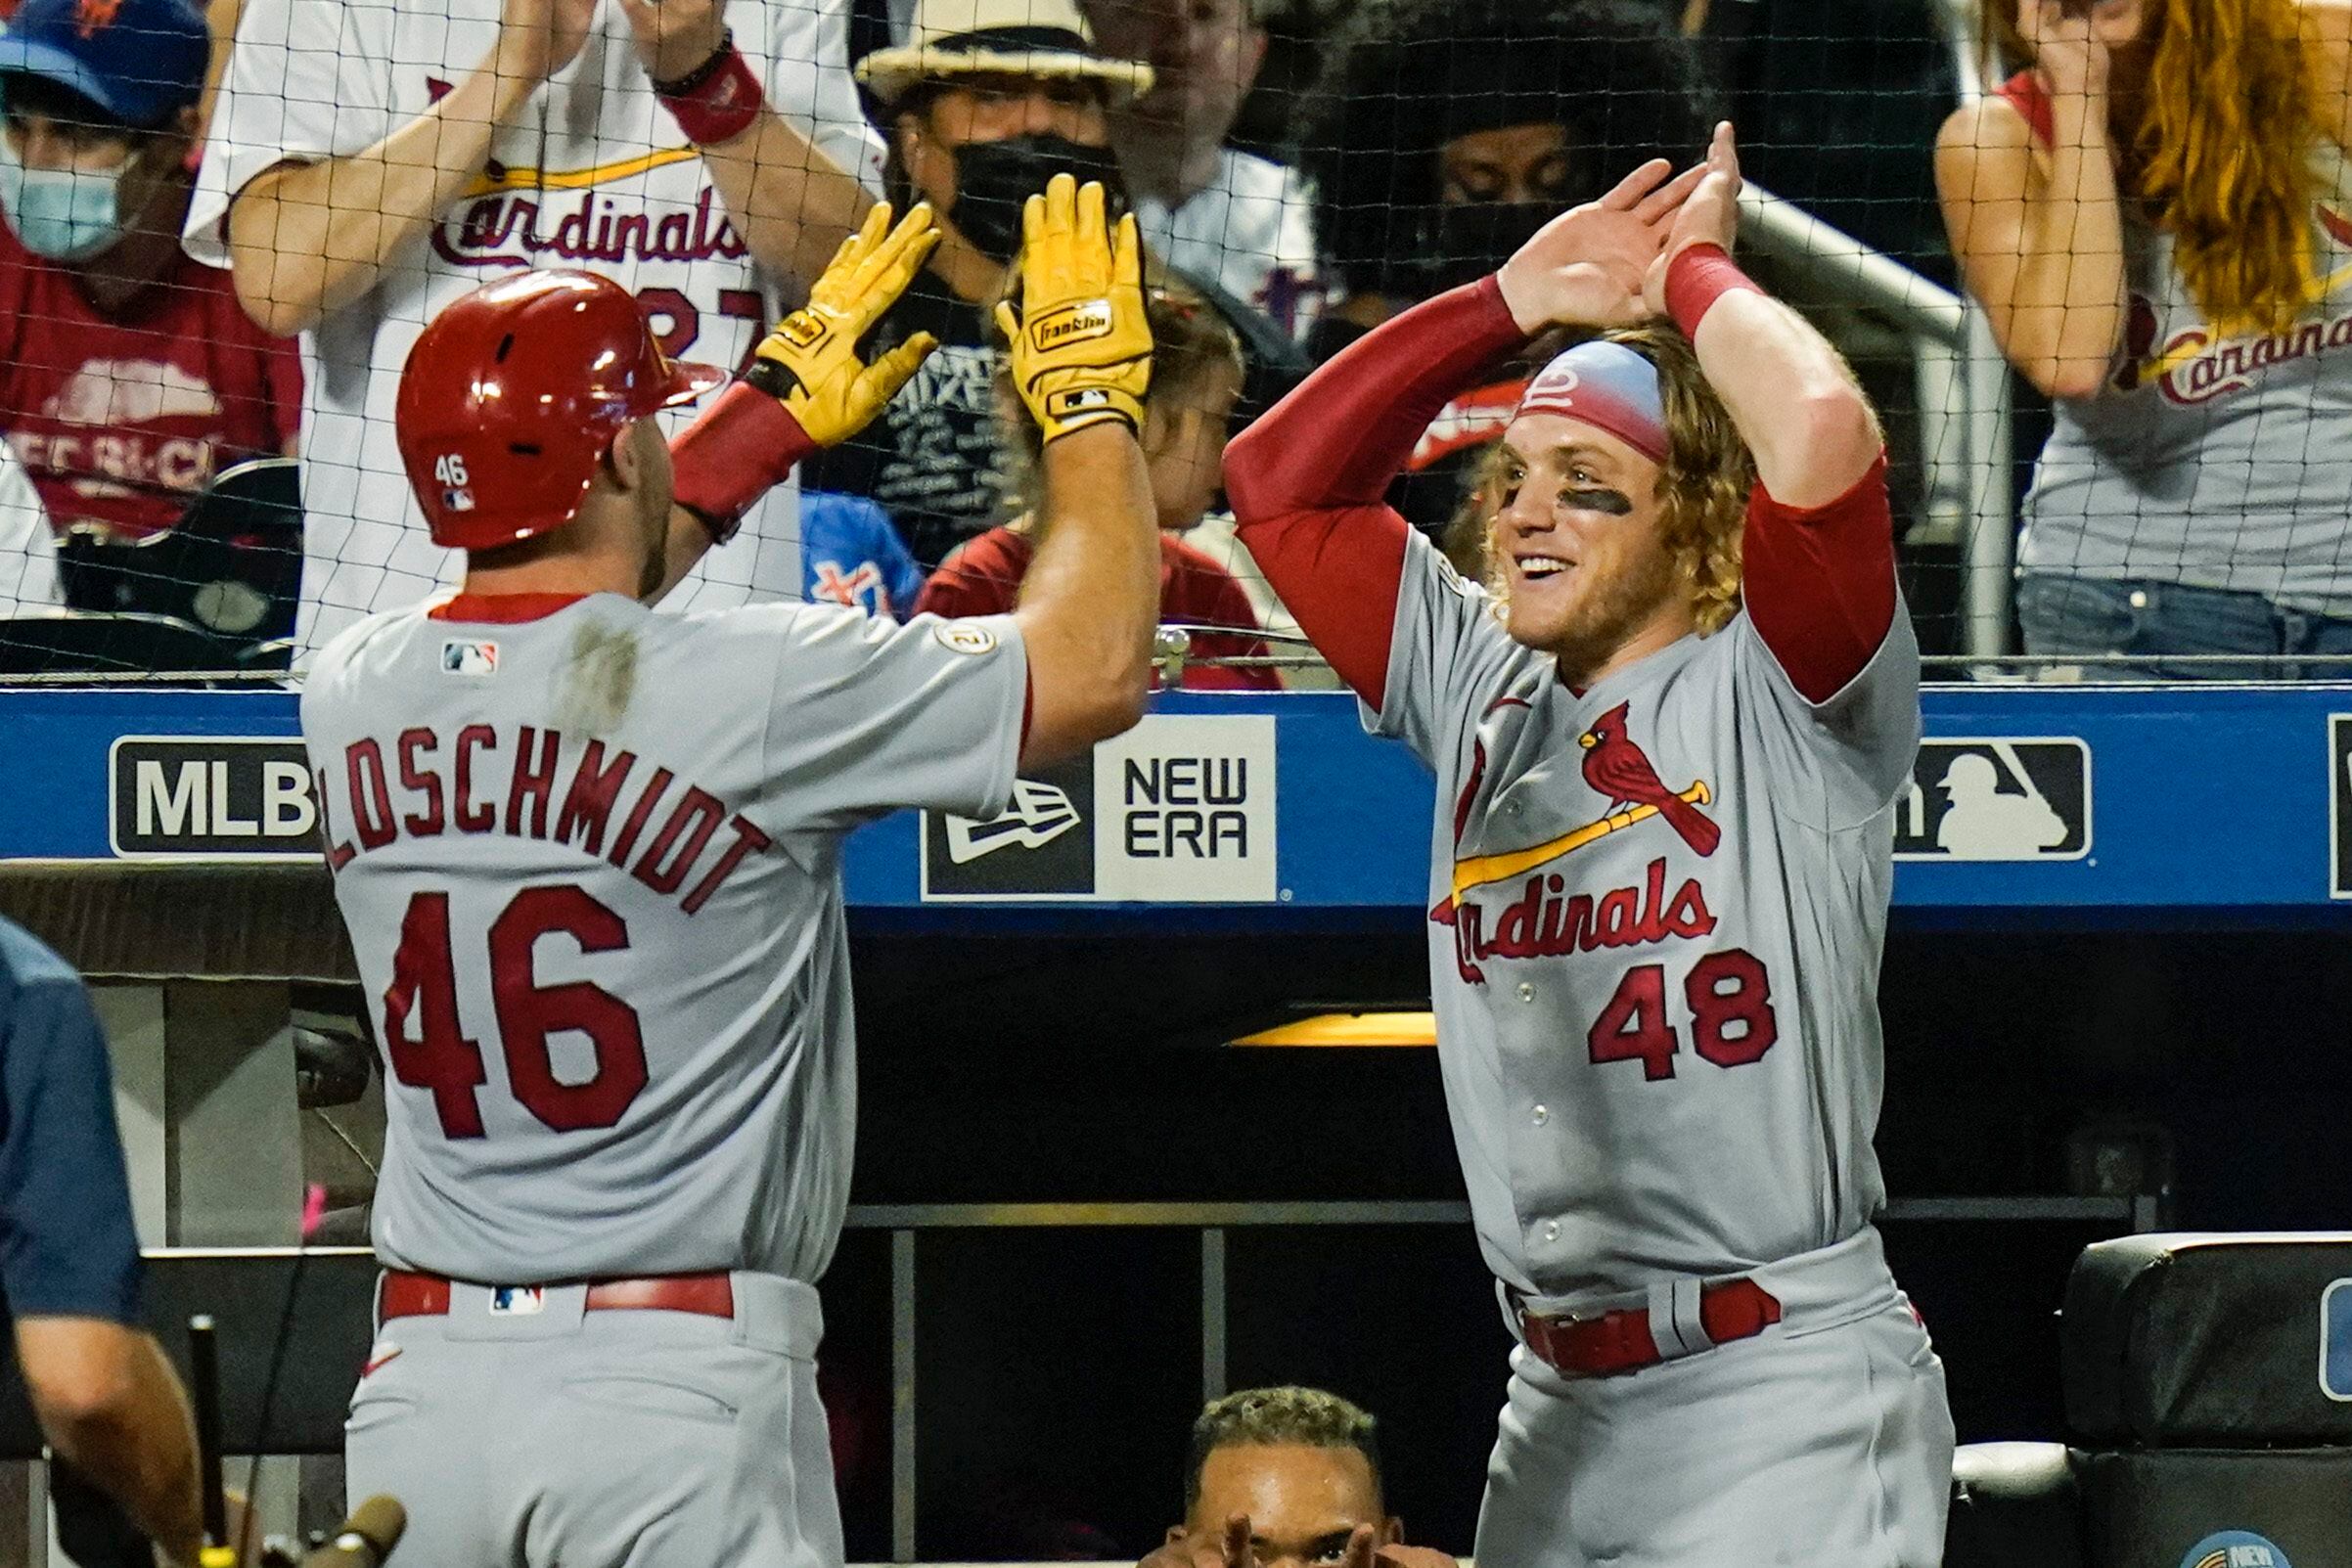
2063, 616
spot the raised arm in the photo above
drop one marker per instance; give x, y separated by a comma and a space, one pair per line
2034, 215
1080, 351
1306, 480
306, 239
793, 202
1818, 566
807, 389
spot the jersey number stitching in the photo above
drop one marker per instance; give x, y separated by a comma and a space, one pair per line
442, 1058
1731, 1021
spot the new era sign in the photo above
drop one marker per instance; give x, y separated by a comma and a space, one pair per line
1180, 809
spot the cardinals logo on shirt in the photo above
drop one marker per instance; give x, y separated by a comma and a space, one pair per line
1617, 770
1551, 916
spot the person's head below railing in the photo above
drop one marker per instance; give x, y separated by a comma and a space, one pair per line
1197, 375
2154, 211
1282, 1478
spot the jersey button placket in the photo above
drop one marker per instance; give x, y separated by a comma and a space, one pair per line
1551, 1230
1541, 1116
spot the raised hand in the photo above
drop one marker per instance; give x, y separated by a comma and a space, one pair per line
1079, 345
2068, 53
674, 37
1585, 267
813, 351
536, 38
1228, 1548
1710, 214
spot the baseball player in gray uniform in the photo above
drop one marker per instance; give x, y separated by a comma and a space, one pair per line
1667, 732
589, 857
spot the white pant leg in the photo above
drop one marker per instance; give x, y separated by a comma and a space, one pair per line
1833, 1446
638, 1440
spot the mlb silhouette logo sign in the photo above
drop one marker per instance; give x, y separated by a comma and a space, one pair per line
1997, 799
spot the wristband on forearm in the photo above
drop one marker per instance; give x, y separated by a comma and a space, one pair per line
718, 100
742, 446
1697, 277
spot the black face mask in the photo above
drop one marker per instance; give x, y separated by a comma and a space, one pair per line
1462, 242
994, 181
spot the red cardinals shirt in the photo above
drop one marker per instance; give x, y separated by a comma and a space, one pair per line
983, 578
1655, 906
120, 419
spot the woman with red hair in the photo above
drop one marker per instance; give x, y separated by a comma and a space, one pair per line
2157, 214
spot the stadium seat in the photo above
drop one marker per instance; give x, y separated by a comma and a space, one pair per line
71, 642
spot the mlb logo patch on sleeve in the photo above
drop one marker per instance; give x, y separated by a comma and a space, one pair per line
469, 659
2335, 1340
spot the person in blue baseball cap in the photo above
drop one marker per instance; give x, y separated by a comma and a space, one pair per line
101, 103
129, 376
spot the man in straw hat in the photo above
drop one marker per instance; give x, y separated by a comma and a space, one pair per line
985, 104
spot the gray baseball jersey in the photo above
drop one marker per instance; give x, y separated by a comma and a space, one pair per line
1656, 909
590, 863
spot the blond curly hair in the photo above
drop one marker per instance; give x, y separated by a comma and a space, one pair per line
1702, 488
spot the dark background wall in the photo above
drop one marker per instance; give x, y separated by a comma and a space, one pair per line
1059, 1371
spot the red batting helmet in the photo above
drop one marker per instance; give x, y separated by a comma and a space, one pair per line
512, 396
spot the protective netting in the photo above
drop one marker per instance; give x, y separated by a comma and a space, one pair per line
2055, 229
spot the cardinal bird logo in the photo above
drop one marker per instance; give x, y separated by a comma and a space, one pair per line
1617, 770
1614, 767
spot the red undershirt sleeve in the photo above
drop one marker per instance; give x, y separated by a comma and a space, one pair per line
1820, 582
1306, 480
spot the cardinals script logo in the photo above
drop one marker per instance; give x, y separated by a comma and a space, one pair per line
1546, 919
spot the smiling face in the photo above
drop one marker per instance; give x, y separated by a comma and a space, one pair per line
1579, 550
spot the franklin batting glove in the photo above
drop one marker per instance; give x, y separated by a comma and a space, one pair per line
1080, 346
809, 363
806, 387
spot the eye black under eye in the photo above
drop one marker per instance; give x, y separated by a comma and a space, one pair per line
1615, 503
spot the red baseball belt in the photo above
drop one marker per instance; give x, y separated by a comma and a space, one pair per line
712, 1295
1621, 1341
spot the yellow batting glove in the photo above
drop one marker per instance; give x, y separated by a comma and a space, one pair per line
1080, 346
809, 362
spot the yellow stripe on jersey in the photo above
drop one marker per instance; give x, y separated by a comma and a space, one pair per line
578, 179
1480, 869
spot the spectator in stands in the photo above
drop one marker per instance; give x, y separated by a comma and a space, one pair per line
1243, 221
1196, 378
2156, 213
853, 556
128, 376
1285, 1477
1445, 132
107, 1400
986, 103
374, 160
